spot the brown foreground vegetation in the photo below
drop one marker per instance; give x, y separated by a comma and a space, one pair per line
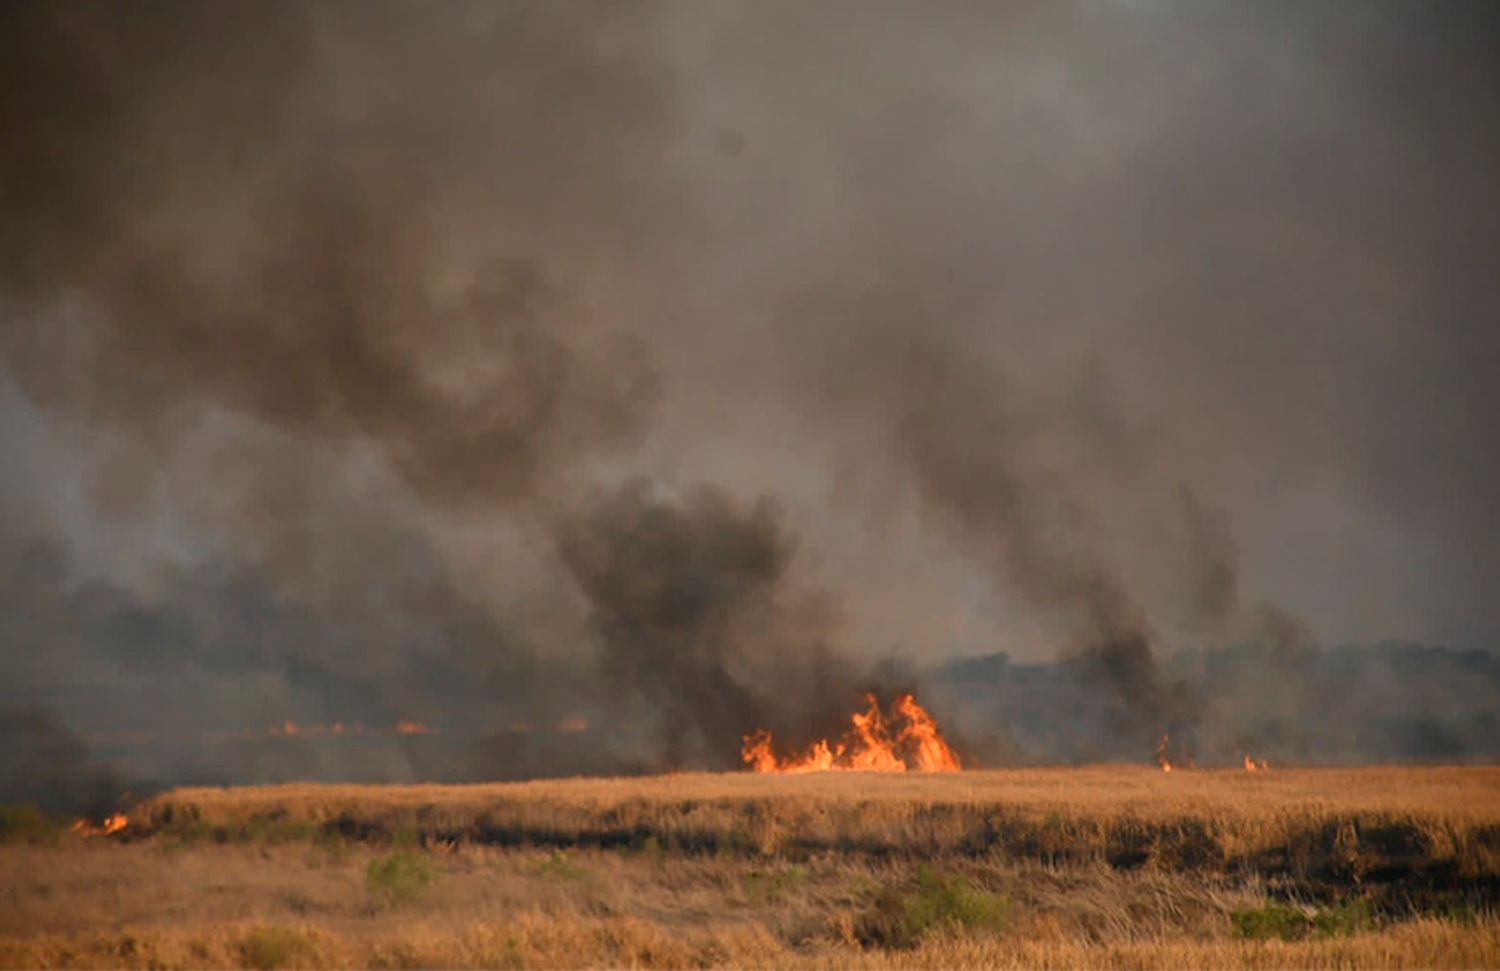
1093, 867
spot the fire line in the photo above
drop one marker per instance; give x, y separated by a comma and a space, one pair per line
911, 742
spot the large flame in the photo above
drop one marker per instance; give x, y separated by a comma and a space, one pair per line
869, 745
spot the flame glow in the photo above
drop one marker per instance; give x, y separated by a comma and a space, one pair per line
109, 826
291, 729
1252, 765
1161, 753
870, 745
414, 728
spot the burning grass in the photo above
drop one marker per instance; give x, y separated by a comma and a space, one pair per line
1063, 868
910, 741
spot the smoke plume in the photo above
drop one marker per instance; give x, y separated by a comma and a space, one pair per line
697, 615
596, 382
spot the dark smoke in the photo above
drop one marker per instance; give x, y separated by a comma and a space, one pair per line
45, 764
980, 462
698, 617
245, 241
673, 369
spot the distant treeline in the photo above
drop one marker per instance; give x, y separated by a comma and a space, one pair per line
1392, 702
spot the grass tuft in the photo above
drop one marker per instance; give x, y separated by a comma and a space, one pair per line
1287, 923
399, 878
268, 948
559, 865
900, 917
25, 823
770, 887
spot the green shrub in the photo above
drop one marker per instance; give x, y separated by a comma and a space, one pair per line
1349, 917
1272, 920
559, 866
24, 823
398, 878
764, 887
650, 848
1291, 924
267, 948
902, 916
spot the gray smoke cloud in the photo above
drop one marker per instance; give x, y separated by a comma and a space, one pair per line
676, 365
699, 619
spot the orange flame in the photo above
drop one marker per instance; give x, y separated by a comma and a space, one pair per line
1161, 753
111, 824
868, 746
414, 728
291, 729
1251, 765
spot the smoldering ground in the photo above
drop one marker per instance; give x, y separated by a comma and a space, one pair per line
664, 366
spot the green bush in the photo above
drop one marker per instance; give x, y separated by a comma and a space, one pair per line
398, 878
559, 866
1351, 916
1291, 924
267, 948
1272, 920
902, 916
650, 848
24, 823
764, 887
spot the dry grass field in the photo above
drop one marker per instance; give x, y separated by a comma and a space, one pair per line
1091, 867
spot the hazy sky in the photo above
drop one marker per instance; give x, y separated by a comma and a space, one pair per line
900, 329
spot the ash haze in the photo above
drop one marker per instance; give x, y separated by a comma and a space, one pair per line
685, 368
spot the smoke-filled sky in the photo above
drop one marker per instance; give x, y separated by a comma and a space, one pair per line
679, 366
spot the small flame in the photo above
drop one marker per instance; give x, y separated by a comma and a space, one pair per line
1172, 757
1161, 753
414, 728
868, 746
291, 729
1251, 765
110, 825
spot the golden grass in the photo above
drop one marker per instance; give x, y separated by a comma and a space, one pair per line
1340, 823
538, 941
1472, 791
739, 870
301, 905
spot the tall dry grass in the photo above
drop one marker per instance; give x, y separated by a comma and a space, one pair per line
1338, 825
150, 904
1099, 867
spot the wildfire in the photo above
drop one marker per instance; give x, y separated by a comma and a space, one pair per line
1173, 757
414, 728
291, 729
1251, 765
110, 825
912, 742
